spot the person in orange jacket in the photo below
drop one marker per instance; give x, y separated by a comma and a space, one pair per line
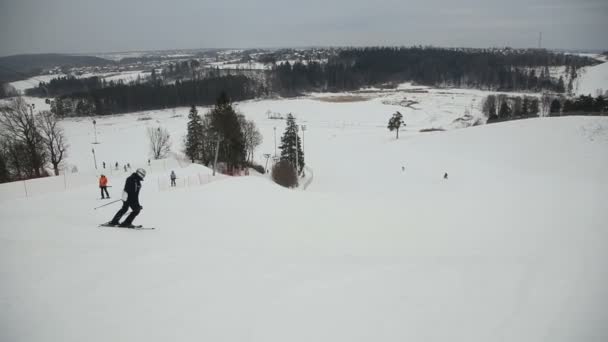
103, 185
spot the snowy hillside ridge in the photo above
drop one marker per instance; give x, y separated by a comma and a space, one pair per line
510, 247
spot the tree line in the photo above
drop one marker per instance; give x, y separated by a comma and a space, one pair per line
349, 69
66, 85
29, 143
502, 107
221, 136
501, 70
123, 98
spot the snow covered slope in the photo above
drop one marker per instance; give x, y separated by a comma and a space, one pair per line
512, 247
593, 79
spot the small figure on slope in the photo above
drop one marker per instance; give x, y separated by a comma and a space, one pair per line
103, 185
445, 175
130, 197
173, 177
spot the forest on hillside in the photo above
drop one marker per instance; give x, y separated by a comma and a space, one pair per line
349, 69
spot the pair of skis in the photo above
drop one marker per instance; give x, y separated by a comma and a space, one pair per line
139, 227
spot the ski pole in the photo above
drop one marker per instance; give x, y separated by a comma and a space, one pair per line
107, 204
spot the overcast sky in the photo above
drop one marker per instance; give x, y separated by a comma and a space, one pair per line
87, 26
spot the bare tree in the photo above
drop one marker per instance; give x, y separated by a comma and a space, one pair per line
19, 128
545, 103
253, 137
53, 138
160, 142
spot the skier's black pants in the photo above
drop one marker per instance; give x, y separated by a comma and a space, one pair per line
173, 182
104, 189
125, 206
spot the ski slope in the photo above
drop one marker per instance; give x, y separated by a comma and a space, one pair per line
512, 247
593, 80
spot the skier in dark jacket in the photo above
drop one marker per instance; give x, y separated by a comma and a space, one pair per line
130, 197
173, 177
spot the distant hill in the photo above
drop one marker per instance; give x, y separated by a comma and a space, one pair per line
16, 67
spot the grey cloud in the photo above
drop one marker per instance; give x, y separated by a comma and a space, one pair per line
86, 26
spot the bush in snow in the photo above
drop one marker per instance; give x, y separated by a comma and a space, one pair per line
259, 168
284, 174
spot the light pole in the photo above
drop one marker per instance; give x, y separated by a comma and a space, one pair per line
266, 155
297, 159
275, 141
217, 149
303, 130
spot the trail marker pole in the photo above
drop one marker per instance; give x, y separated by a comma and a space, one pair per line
275, 141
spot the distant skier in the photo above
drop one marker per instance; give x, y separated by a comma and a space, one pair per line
445, 175
116, 165
130, 197
125, 168
173, 177
104, 165
148, 162
103, 185
129, 166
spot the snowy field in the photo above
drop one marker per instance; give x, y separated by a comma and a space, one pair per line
593, 79
125, 76
511, 247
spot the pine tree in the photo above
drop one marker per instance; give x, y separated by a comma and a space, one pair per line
534, 107
516, 108
599, 104
194, 136
226, 126
290, 143
505, 111
4, 173
395, 122
555, 108
560, 85
525, 107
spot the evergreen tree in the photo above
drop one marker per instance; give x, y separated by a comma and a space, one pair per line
555, 108
226, 126
600, 104
534, 107
4, 173
560, 85
291, 144
395, 122
568, 106
194, 136
489, 107
517, 107
525, 107
505, 111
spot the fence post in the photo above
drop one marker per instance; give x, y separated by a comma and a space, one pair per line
65, 183
25, 187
